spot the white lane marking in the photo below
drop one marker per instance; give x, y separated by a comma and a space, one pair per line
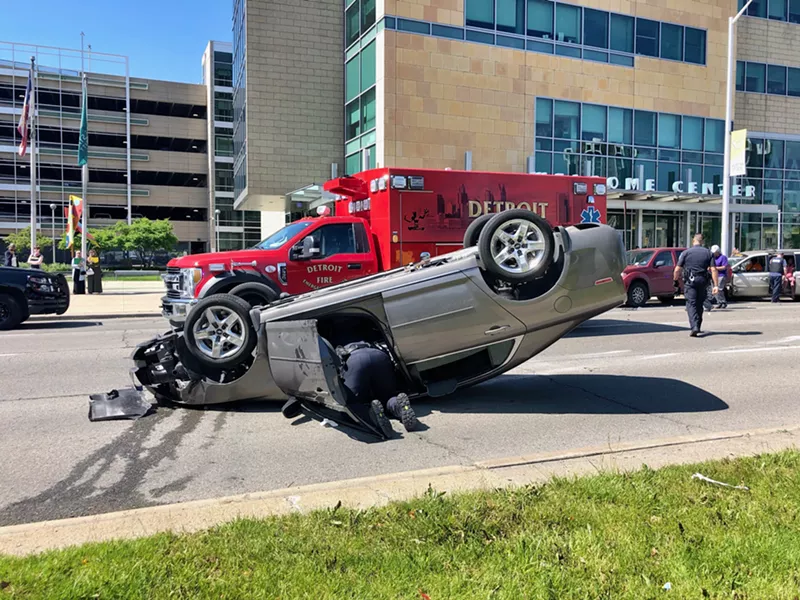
760, 349
4, 355
656, 356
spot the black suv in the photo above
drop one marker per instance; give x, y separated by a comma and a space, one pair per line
26, 292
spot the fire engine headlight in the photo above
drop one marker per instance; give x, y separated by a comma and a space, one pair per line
190, 278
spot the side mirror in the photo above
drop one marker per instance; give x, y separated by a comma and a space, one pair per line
304, 250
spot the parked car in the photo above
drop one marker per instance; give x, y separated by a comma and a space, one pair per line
649, 273
26, 292
751, 277
449, 321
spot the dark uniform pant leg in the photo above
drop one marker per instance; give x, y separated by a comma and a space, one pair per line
696, 294
775, 283
370, 375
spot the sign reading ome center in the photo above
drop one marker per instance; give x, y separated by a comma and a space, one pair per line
682, 187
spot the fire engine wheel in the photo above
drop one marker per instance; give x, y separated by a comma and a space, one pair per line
255, 294
474, 229
219, 333
517, 246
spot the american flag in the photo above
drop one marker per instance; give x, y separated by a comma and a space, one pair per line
22, 128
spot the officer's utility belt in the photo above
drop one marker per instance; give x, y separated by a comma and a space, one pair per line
344, 352
692, 275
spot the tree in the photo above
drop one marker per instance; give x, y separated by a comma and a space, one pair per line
22, 239
145, 238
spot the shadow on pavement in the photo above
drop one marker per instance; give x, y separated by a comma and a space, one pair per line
54, 324
601, 327
577, 394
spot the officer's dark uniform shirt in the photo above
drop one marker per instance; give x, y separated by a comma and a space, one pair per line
696, 261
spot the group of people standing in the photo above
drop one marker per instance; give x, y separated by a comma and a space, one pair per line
83, 271
86, 270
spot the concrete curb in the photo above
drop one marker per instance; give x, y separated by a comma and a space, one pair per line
89, 317
377, 491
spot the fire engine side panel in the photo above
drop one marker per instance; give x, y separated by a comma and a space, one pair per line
429, 210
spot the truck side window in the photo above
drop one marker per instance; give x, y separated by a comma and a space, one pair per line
336, 239
663, 259
362, 241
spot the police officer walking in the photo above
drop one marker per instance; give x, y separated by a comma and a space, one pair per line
777, 271
695, 265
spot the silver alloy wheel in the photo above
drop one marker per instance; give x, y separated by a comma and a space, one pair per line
637, 295
219, 333
518, 246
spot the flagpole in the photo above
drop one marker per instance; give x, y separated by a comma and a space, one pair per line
32, 134
84, 179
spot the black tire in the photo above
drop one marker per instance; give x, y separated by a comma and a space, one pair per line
666, 299
255, 294
638, 294
235, 352
473, 232
504, 270
12, 313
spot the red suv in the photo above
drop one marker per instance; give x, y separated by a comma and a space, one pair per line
649, 273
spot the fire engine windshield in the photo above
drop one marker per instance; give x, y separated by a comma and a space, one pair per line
280, 237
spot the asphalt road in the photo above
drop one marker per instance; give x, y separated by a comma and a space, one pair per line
623, 377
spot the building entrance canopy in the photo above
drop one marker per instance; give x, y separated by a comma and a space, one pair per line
308, 198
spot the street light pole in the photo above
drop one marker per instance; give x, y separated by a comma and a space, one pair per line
53, 229
726, 178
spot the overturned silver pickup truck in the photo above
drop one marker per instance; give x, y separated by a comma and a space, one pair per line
448, 322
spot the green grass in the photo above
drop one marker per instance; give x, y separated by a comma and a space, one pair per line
607, 536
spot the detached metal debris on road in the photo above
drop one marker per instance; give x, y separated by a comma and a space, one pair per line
127, 403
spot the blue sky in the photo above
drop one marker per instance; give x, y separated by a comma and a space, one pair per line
164, 39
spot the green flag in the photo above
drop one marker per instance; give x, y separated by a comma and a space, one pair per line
83, 141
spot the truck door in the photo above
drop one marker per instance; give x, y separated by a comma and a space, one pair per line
342, 253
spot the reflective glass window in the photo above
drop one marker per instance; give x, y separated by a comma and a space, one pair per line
511, 16
566, 121
695, 46
669, 131
367, 14
352, 120
777, 10
715, 135
540, 18
794, 11
352, 164
792, 161
352, 24
368, 66
622, 33
776, 80
480, 13
543, 162
544, 117
644, 128
671, 41
647, 37
368, 110
757, 8
593, 122
668, 173
647, 167
692, 138
739, 75
793, 82
568, 23
620, 125
773, 191
755, 76
352, 84
595, 28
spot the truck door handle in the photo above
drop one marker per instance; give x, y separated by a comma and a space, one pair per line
354, 266
496, 329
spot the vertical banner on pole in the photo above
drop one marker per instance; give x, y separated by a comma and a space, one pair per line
739, 153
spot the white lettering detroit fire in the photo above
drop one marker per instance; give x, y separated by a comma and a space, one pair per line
325, 268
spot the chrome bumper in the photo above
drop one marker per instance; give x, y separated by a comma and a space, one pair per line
176, 309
